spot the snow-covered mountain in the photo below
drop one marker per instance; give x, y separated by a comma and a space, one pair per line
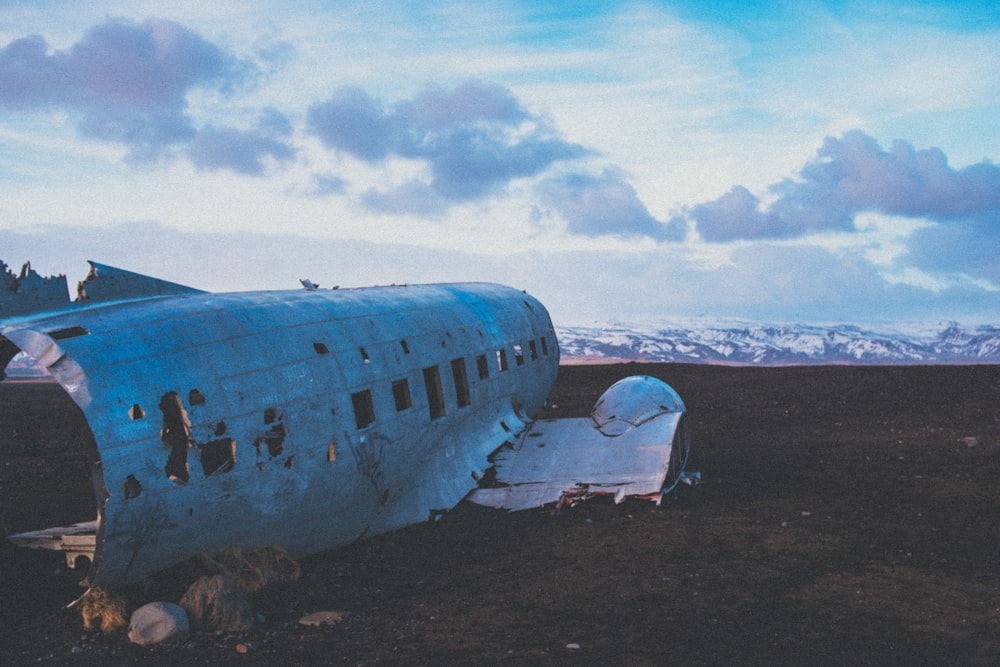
751, 344
780, 345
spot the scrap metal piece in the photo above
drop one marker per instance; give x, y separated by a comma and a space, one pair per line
29, 292
108, 283
634, 444
74, 541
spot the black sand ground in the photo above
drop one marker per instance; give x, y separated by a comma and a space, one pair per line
847, 516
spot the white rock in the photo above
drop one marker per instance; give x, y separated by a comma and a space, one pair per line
157, 622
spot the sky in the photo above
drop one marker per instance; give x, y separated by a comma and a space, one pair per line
807, 161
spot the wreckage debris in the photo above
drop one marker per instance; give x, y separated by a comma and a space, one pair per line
381, 407
28, 292
634, 444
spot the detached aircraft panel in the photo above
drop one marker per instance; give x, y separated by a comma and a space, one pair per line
635, 443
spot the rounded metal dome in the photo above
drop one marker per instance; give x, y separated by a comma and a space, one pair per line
633, 401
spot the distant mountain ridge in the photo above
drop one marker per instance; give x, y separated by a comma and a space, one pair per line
780, 345
750, 345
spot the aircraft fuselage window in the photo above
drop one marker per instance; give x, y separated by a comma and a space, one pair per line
533, 348
364, 409
483, 366
401, 394
461, 382
545, 346
435, 396
518, 354
501, 360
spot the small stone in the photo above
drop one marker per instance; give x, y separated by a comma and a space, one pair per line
806, 514
573, 646
323, 618
970, 441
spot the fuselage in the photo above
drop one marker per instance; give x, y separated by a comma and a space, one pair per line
306, 419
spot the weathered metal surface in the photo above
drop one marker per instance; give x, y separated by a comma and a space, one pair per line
635, 443
631, 402
275, 450
74, 541
312, 418
29, 292
108, 283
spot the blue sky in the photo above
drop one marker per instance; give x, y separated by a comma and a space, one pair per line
806, 161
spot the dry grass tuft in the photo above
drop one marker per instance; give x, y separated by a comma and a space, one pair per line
101, 610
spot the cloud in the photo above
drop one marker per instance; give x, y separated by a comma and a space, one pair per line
128, 83
848, 176
324, 185
413, 197
354, 122
242, 151
474, 139
968, 249
605, 205
735, 214
855, 172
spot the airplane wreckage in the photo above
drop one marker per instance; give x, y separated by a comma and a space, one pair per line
311, 418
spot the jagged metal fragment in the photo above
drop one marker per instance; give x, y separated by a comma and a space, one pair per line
635, 443
29, 292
